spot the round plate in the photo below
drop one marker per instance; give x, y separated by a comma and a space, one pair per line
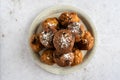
55, 12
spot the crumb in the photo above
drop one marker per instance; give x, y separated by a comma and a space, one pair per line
10, 12
19, 29
16, 20
3, 35
85, 69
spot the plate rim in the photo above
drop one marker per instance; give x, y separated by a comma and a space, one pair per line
57, 7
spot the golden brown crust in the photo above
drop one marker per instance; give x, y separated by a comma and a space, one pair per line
47, 57
50, 23
87, 42
77, 57
35, 43
63, 38
67, 18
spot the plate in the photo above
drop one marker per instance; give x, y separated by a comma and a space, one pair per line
55, 11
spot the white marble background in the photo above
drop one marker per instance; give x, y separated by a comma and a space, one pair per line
15, 19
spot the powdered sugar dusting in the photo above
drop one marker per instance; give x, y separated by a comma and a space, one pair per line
65, 40
75, 27
46, 37
67, 56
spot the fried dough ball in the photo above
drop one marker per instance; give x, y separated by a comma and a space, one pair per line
77, 29
77, 57
67, 18
35, 43
86, 42
47, 57
63, 41
50, 23
46, 38
63, 60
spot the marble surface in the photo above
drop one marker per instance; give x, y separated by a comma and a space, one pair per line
15, 20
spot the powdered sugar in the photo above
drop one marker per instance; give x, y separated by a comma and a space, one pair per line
46, 37
65, 40
67, 56
75, 27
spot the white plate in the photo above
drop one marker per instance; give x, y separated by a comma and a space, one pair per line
54, 12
